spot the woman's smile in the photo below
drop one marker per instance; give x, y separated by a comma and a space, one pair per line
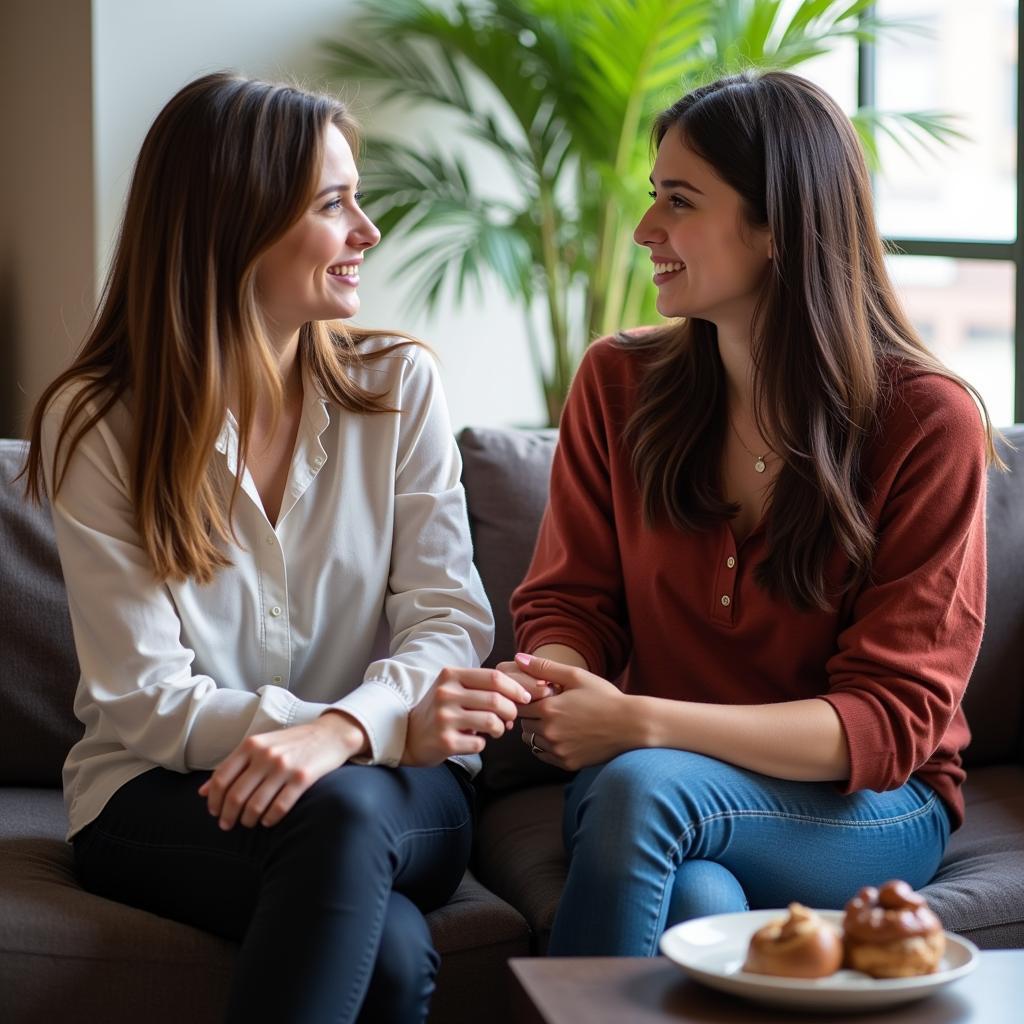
666, 269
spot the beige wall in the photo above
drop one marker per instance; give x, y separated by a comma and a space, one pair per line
47, 237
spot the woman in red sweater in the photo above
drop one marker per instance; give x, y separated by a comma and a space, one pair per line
766, 526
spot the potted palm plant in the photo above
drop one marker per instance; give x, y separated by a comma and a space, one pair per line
562, 92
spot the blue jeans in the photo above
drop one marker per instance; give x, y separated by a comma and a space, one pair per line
656, 837
327, 904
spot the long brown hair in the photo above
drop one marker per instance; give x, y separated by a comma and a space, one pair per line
227, 167
827, 322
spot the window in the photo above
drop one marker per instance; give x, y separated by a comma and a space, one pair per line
953, 214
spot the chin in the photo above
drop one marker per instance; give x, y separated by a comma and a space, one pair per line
339, 311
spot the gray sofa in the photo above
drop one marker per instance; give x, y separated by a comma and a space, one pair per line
66, 954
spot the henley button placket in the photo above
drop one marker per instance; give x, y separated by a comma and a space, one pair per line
725, 581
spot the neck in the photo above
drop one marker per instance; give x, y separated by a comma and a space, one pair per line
286, 352
734, 351
286, 355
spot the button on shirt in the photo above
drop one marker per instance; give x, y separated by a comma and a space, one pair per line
362, 593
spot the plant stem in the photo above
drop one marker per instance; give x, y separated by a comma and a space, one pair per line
614, 239
561, 370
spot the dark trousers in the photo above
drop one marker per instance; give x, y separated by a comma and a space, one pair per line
328, 904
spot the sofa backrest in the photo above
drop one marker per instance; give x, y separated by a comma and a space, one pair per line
505, 474
38, 667
994, 703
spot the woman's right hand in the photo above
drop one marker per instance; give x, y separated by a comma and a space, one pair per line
464, 706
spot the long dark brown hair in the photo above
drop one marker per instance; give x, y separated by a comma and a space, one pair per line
227, 167
828, 315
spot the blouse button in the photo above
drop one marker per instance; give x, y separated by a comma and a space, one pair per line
726, 601
730, 562
277, 679
275, 611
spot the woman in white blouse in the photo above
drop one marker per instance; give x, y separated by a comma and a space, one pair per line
268, 567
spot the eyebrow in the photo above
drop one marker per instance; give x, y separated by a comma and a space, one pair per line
333, 188
677, 183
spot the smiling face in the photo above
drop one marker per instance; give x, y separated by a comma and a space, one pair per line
312, 271
709, 262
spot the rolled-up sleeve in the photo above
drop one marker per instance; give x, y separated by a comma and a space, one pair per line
901, 667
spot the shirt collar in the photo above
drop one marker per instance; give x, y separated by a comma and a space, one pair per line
316, 417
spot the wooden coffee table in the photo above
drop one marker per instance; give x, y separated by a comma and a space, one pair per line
626, 990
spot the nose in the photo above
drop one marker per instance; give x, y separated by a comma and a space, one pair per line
365, 234
648, 232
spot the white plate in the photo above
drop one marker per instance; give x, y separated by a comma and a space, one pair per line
712, 950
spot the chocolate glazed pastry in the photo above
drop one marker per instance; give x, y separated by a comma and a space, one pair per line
801, 945
892, 933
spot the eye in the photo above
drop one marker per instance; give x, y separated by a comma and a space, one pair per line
679, 203
358, 196
334, 204
653, 195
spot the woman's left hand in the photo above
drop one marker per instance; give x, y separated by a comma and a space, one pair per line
263, 777
587, 722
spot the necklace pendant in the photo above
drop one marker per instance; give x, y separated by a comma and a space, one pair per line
759, 466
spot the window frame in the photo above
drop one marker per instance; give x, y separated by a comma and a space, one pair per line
968, 249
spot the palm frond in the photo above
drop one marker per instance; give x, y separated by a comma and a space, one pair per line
425, 202
918, 133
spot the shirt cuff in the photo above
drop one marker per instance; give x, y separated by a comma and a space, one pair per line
872, 761
383, 714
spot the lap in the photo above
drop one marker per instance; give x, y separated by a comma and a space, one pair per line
710, 787
155, 844
782, 839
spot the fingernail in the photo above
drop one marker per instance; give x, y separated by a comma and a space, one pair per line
526, 696
523, 659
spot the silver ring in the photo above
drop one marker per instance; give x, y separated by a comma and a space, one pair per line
534, 749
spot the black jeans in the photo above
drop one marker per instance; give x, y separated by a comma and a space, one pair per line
328, 904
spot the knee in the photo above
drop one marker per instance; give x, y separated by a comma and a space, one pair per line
343, 800
627, 789
643, 798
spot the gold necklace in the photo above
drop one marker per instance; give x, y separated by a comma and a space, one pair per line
759, 464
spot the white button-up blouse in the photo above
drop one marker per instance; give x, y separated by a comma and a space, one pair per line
358, 597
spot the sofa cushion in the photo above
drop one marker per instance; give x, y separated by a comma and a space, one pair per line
994, 703
61, 946
979, 889
505, 473
38, 667
521, 854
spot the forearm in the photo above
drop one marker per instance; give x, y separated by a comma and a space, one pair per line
801, 740
562, 654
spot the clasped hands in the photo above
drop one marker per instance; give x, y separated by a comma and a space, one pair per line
262, 778
576, 718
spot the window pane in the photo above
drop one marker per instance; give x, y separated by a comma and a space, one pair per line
835, 72
966, 65
964, 311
